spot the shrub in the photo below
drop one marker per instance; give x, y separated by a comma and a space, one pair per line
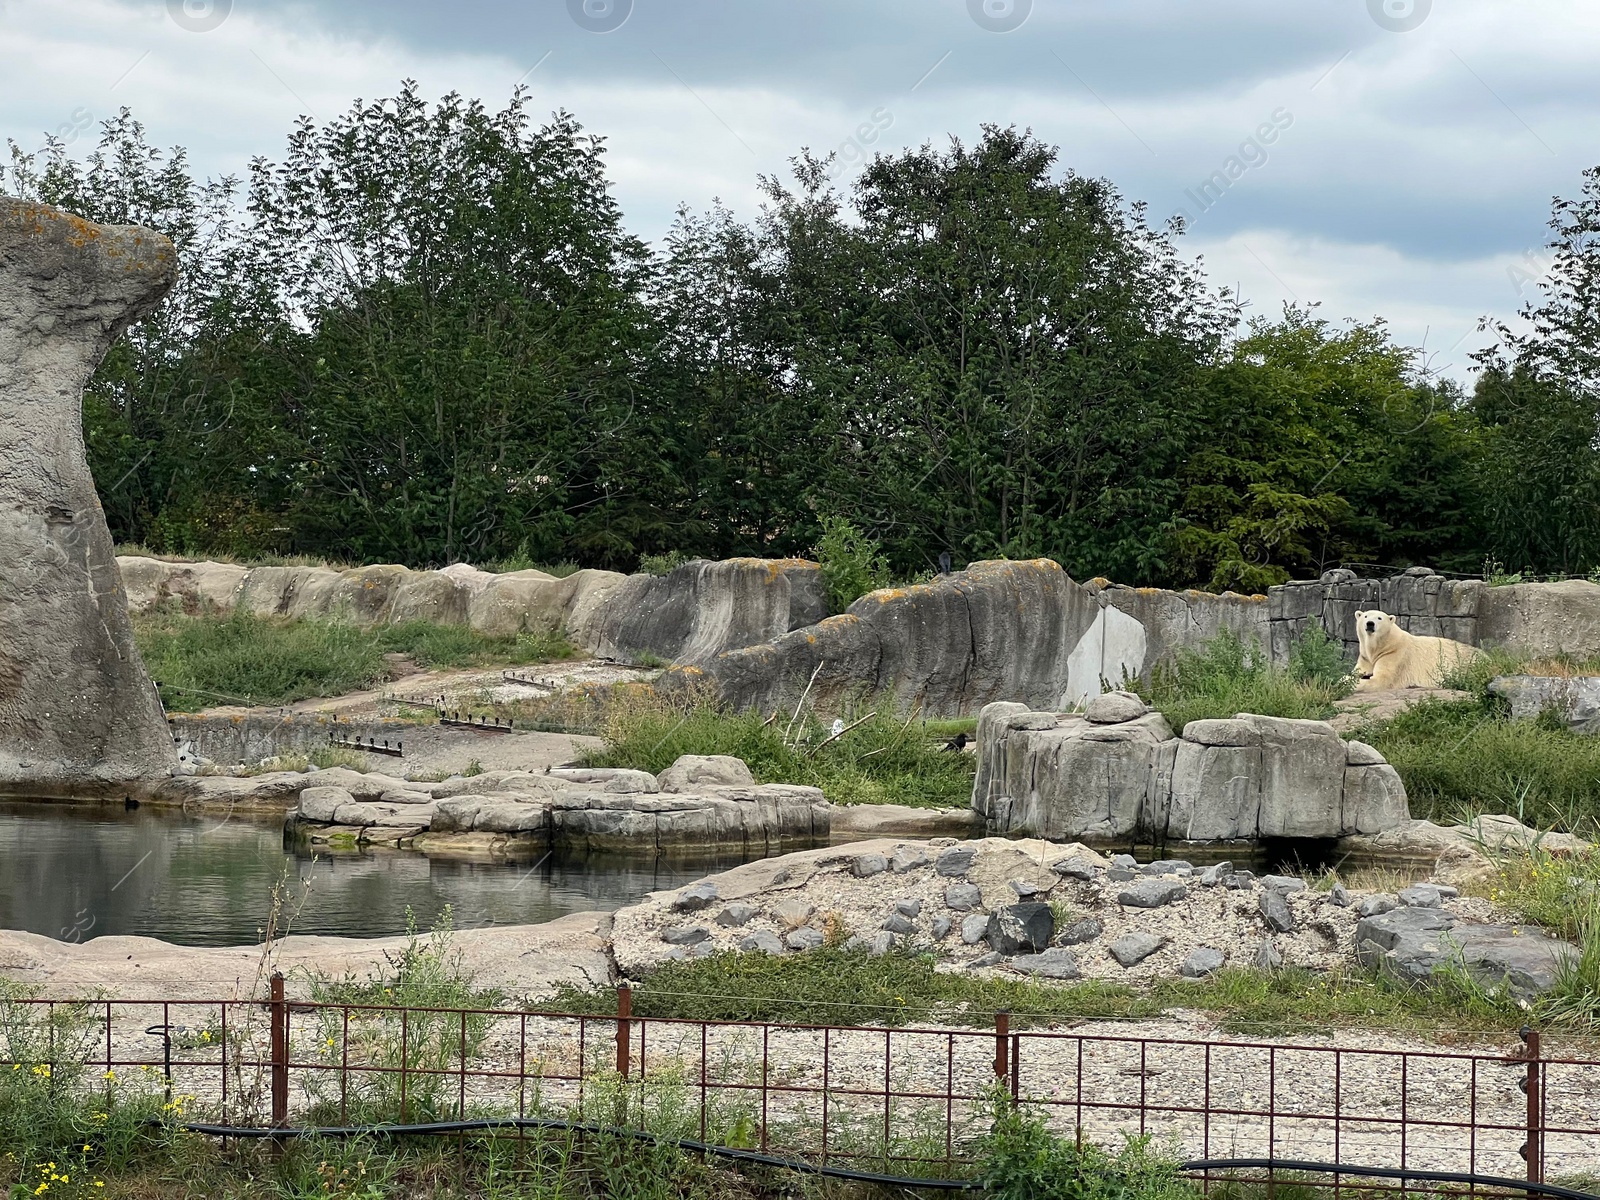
662, 564
852, 563
1020, 1158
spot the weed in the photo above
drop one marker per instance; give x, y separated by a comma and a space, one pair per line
1021, 1158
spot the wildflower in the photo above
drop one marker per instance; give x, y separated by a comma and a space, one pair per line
111, 1075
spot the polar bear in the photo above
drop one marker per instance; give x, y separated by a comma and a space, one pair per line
1392, 658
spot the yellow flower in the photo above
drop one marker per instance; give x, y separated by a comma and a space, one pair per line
111, 1075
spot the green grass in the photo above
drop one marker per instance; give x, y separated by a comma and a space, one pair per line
1461, 759
203, 661
885, 759
1226, 676
834, 986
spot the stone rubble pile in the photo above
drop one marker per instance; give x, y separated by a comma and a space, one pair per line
1065, 913
1117, 771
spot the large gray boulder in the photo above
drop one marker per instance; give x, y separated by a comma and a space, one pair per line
78, 713
1415, 944
1245, 778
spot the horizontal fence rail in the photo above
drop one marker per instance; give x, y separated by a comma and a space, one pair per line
897, 1101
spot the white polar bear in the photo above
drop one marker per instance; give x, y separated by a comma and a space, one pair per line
1392, 658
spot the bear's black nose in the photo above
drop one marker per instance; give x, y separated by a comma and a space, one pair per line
1372, 627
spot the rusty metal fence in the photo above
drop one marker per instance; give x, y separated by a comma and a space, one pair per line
905, 1101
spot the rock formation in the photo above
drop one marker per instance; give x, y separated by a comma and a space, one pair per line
1117, 772
77, 710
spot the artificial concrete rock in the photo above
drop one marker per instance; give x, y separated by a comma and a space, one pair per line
1133, 948
696, 772
1021, 928
1251, 777
1055, 963
78, 713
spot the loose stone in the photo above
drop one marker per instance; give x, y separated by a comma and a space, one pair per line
1119, 874
1275, 911
898, 924
974, 929
1420, 895
1338, 896
963, 897
763, 941
1376, 905
1080, 932
908, 908
955, 862
1215, 874
1283, 883
1023, 888
939, 928
804, 938
1021, 928
1166, 866
1126, 861
735, 915
1050, 964
1267, 956
907, 859
1202, 961
1075, 867
685, 935
882, 943
990, 959
1240, 881
1152, 893
868, 865
1133, 948
701, 895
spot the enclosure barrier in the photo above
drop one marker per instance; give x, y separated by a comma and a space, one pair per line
895, 1103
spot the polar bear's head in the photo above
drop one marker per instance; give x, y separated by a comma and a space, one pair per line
1373, 625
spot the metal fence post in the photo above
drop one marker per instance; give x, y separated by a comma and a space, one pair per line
1533, 1085
280, 1053
624, 1011
1002, 1038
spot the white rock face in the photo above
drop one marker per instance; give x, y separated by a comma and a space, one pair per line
1246, 778
77, 710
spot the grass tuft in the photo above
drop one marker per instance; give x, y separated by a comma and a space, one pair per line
884, 759
1227, 676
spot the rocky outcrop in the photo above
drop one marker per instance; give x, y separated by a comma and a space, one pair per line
583, 810
1090, 776
1412, 943
77, 711
1574, 701
1003, 630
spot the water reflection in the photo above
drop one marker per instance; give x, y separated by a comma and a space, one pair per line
76, 872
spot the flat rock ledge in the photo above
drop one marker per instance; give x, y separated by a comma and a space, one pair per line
1066, 912
699, 804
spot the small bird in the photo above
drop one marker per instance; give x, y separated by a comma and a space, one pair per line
957, 743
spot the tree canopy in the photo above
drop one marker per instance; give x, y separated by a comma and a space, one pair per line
424, 334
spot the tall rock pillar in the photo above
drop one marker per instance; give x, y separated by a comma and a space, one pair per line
78, 715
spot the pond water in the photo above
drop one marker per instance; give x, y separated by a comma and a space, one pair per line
76, 872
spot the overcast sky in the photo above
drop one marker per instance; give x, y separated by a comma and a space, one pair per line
1417, 143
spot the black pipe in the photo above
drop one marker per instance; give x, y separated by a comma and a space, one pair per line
800, 1165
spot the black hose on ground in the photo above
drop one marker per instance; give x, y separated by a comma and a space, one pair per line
800, 1165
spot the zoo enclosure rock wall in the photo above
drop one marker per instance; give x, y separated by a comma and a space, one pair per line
692, 614
1001, 630
1118, 772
